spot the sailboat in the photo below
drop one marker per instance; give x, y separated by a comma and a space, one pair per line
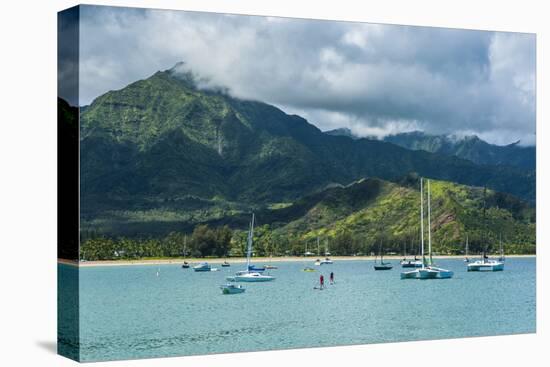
249, 275
408, 263
327, 260
270, 266
307, 253
185, 264
486, 264
501, 258
466, 259
427, 270
307, 269
382, 265
318, 261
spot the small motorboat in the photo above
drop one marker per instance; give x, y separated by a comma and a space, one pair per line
254, 268
225, 264
185, 265
232, 289
317, 262
326, 261
202, 267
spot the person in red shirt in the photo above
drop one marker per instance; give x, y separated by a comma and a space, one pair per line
322, 281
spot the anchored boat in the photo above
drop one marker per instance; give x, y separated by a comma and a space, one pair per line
466, 258
486, 264
427, 270
381, 265
250, 275
409, 263
257, 269
202, 267
232, 289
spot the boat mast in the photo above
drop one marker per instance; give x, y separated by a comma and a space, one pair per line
429, 224
466, 244
501, 248
184, 245
250, 239
422, 222
318, 246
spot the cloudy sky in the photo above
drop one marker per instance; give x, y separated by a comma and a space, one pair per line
374, 79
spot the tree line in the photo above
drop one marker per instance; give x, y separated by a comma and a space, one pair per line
206, 241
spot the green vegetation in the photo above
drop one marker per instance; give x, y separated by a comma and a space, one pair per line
163, 158
163, 139
356, 219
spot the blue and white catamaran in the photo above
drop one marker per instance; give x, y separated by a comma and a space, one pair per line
428, 270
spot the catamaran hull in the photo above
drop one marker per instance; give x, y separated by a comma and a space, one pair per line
427, 273
444, 274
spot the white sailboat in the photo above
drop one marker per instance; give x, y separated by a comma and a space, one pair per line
250, 275
318, 261
427, 270
486, 264
327, 260
410, 263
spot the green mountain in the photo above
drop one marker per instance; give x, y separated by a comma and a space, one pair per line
363, 215
471, 148
163, 153
355, 219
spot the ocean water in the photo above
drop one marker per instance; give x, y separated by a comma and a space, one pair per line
127, 312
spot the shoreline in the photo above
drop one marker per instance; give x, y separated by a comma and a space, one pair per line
240, 260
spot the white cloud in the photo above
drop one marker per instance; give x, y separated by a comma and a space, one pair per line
374, 79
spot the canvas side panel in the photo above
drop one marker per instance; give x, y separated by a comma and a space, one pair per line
68, 211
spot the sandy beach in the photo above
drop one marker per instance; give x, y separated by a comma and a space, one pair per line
238, 260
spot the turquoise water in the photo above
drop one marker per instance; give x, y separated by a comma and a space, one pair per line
128, 312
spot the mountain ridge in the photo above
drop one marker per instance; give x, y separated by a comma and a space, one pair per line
469, 147
161, 142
